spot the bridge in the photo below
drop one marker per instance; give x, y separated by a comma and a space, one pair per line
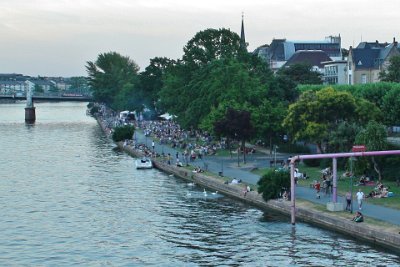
50, 97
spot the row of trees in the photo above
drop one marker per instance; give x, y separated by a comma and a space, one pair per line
218, 87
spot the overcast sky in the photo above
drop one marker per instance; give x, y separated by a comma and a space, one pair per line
58, 37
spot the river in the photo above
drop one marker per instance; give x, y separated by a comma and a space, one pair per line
69, 197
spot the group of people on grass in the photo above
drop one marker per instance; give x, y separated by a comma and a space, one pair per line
380, 191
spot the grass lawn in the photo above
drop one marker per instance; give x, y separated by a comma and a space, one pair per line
344, 185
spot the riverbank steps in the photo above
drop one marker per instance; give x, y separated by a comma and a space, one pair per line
360, 231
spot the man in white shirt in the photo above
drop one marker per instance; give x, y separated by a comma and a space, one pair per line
360, 197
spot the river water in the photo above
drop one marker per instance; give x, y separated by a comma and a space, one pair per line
69, 198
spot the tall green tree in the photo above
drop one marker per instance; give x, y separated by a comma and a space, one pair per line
343, 137
108, 75
267, 118
221, 81
392, 74
38, 89
301, 74
316, 114
209, 45
236, 125
151, 79
391, 107
374, 137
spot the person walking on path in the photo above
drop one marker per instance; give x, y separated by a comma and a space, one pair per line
348, 201
360, 197
317, 187
153, 145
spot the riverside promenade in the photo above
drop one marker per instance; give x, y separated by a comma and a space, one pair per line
232, 168
229, 168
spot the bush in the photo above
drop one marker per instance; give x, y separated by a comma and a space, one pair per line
272, 183
123, 133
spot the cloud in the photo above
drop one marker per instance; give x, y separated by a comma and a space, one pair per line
143, 29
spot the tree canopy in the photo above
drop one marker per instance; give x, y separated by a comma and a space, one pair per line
316, 114
112, 78
392, 74
373, 136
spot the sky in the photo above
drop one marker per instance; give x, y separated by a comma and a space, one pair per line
58, 37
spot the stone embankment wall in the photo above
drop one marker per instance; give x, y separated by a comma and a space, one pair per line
349, 228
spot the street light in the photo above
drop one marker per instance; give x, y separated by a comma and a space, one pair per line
275, 147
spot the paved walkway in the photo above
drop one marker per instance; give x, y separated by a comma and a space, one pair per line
228, 167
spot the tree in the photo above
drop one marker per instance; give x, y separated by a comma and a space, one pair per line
221, 81
316, 114
236, 125
392, 74
367, 111
301, 74
38, 89
391, 107
343, 137
109, 74
78, 84
209, 45
374, 137
267, 118
151, 80
272, 183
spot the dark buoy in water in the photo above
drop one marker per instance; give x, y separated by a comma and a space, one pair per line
30, 115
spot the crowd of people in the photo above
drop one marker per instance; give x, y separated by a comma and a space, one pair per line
379, 191
194, 143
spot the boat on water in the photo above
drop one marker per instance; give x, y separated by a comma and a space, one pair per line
144, 163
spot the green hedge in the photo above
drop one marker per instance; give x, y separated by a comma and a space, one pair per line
123, 132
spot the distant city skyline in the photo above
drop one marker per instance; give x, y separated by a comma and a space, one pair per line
57, 38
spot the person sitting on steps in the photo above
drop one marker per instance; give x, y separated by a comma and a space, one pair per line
358, 217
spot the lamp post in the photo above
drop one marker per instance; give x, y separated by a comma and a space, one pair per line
238, 150
275, 147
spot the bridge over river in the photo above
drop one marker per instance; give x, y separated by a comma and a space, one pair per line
54, 97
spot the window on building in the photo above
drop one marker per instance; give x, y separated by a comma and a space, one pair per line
363, 78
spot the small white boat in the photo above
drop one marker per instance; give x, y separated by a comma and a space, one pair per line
144, 163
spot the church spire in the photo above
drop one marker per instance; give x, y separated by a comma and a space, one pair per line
242, 37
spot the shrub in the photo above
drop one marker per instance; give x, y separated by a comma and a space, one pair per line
272, 183
123, 132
